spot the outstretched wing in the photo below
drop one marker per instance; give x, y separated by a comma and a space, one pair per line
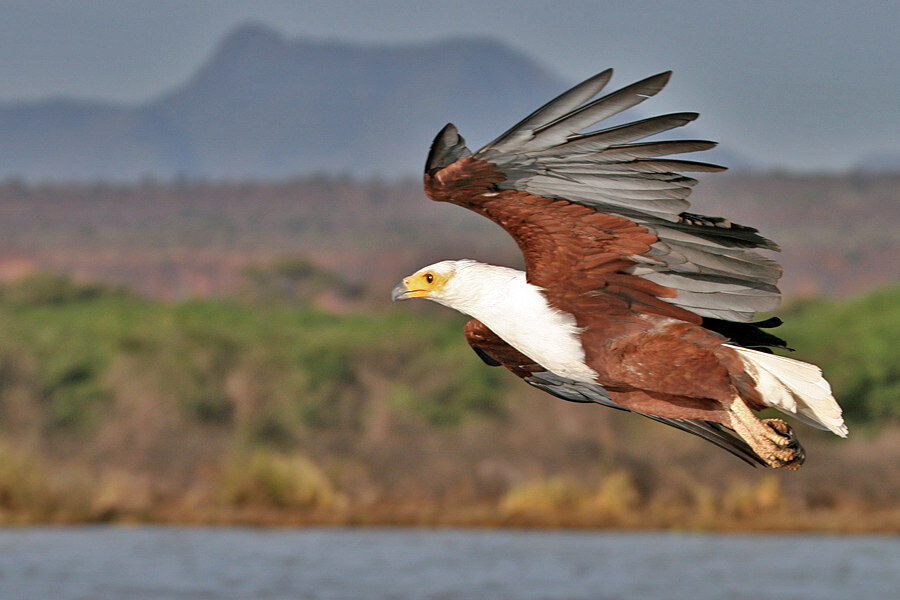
495, 352
602, 214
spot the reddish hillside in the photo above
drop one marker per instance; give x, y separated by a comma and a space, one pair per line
839, 234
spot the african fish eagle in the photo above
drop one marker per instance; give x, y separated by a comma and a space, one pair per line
626, 300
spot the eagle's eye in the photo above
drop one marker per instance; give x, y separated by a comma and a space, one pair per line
429, 277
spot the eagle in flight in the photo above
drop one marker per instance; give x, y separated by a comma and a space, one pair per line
627, 300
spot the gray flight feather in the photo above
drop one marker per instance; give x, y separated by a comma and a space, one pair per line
710, 262
560, 130
559, 106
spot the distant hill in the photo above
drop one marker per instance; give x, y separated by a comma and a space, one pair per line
267, 106
884, 161
182, 239
264, 106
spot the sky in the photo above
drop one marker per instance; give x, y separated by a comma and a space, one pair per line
810, 85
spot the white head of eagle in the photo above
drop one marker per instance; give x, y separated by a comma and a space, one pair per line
504, 301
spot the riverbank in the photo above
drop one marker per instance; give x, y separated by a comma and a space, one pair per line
117, 408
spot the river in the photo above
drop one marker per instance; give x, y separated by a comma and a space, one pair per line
177, 563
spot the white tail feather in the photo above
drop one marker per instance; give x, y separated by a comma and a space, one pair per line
794, 387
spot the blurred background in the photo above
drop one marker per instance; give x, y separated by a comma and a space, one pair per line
203, 207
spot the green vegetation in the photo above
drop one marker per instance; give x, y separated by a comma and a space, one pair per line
116, 407
857, 344
70, 347
269, 371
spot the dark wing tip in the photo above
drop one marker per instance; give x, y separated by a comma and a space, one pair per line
748, 335
664, 77
600, 79
447, 148
604, 74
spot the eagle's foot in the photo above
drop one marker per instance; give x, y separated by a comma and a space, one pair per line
772, 439
790, 454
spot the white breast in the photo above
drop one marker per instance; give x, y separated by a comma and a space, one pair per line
518, 312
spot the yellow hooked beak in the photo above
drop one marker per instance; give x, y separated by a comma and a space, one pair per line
402, 291
425, 284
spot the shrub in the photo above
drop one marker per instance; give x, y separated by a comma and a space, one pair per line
271, 479
545, 497
748, 500
617, 495
49, 288
24, 483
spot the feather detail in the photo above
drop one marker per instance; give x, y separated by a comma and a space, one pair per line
495, 352
794, 387
559, 106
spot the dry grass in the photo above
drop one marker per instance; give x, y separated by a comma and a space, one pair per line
545, 497
269, 479
750, 500
24, 485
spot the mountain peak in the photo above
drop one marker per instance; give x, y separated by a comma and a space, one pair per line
251, 34
265, 105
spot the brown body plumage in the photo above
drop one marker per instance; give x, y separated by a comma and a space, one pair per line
661, 299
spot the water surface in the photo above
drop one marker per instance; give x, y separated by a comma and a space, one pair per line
393, 564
